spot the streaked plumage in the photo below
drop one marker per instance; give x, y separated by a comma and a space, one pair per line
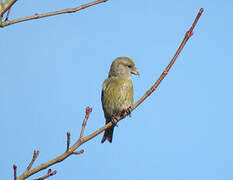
117, 91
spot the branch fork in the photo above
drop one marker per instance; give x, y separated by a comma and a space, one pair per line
49, 173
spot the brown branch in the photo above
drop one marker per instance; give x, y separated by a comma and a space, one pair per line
66, 154
88, 112
35, 154
37, 16
68, 141
79, 152
49, 173
15, 175
188, 34
82, 140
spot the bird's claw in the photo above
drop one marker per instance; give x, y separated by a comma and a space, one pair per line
127, 111
114, 121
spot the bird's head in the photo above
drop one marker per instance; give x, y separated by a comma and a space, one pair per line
123, 67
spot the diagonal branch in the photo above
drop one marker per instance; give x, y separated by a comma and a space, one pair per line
67, 153
88, 112
35, 154
82, 140
188, 34
37, 16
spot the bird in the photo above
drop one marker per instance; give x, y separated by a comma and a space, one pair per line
117, 91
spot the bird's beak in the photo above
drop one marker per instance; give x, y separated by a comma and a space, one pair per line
135, 71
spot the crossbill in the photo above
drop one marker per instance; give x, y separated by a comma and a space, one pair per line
117, 91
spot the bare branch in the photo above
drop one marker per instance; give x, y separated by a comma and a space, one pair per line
35, 154
88, 112
154, 87
82, 140
79, 152
68, 141
63, 156
188, 34
37, 16
49, 173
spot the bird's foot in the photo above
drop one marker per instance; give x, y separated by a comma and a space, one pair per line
127, 111
114, 121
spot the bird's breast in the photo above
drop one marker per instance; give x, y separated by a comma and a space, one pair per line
117, 94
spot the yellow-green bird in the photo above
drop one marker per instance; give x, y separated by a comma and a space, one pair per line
117, 91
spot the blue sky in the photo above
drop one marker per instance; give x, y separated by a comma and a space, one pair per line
52, 68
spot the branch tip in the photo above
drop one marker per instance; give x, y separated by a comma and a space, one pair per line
201, 10
195, 21
88, 110
79, 152
68, 141
35, 154
188, 34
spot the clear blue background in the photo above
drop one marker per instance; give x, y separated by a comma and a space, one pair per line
52, 68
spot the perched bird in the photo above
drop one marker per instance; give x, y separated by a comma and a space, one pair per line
117, 91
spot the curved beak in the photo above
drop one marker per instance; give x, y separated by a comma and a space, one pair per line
135, 71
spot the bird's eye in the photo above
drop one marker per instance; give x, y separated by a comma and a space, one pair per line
129, 66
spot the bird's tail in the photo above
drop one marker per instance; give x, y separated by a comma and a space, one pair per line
108, 135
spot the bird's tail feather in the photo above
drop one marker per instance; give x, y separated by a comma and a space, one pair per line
108, 135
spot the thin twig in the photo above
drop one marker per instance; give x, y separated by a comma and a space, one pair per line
37, 16
88, 111
35, 154
68, 141
196, 19
60, 158
49, 173
82, 140
79, 152
15, 175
